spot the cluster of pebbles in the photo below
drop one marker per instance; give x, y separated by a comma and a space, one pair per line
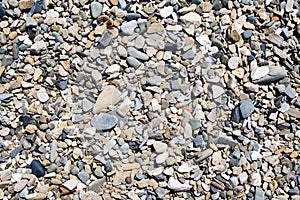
173, 99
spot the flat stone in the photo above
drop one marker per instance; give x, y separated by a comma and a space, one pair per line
289, 5
290, 92
246, 108
184, 168
53, 152
87, 105
20, 185
205, 154
217, 91
83, 176
96, 9
5, 96
109, 96
16, 151
192, 17
70, 184
104, 121
268, 74
247, 34
26, 4
175, 185
38, 47
154, 80
109, 145
30, 22
105, 39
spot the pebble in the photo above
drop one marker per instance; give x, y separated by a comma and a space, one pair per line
103, 102
20, 185
205, 154
42, 95
176, 186
161, 158
234, 62
129, 27
268, 74
104, 121
37, 168
166, 11
2, 11
259, 193
246, 108
96, 9
83, 176
137, 54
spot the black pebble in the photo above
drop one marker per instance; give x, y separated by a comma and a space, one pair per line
2, 11
132, 16
235, 115
37, 168
108, 166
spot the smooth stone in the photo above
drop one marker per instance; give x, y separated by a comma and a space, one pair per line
38, 46
247, 34
30, 22
205, 154
195, 123
105, 39
190, 54
184, 168
20, 185
109, 96
70, 184
198, 141
96, 185
154, 80
137, 54
53, 152
132, 16
104, 121
217, 91
246, 108
160, 147
96, 9
161, 192
2, 11
234, 62
16, 151
166, 11
58, 37
133, 62
124, 148
290, 92
87, 105
26, 4
175, 185
5, 96
289, 5
83, 176
129, 27
108, 166
161, 158
37, 7
42, 95
235, 115
37, 168
109, 145
259, 193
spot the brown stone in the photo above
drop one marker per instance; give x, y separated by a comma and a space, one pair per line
235, 35
26, 4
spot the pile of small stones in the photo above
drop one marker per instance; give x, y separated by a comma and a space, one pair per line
173, 99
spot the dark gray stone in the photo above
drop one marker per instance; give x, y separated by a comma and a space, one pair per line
133, 62
15, 151
37, 168
105, 39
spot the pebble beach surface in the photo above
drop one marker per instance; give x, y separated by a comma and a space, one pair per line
173, 99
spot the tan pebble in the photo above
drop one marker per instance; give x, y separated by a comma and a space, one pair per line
114, 2
4, 131
76, 153
13, 35
294, 154
20, 185
100, 29
131, 166
26, 4
29, 60
31, 128
6, 31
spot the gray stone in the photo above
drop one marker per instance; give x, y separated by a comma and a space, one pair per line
133, 62
190, 54
53, 151
195, 123
124, 148
137, 54
30, 22
259, 193
290, 92
154, 80
15, 151
205, 154
175, 185
105, 39
5, 96
13, 3
175, 85
104, 121
58, 37
96, 9
87, 105
128, 27
109, 145
96, 185
83, 176
268, 74
233, 181
161, 192
246, 108
38, 47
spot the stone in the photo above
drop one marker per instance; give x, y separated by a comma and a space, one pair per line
192, 17
259, 193
255, 179
160, 147
89, 195
15, 151
42, 95
161, 158
247, 34
87, 105
137, 54
26, 4
133, 62
246, 108
154, 80
234, 62
83, 176
205, 154
103, 101
268, 74
166, 11
20, 185
128, 27
104, 121
38, 47
30, 22
290, 92
243, 177
105, 39
109, 145
53, 152
289, 5
37, 168
96, 9
184, 168
2, 11
217, 91
175, 185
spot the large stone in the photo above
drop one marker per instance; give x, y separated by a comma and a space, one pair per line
246, 108
109, 96
96, 9
175, 185
268, 74
104, 121
26, 4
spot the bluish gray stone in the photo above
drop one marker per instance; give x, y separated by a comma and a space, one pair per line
190, 54
96, 9
105, 39
290, 92
128, 27
133, 62
37, 168
246, 108
15, 151
83, 176
5, 96
259, 193
58, 37
104, 121
137, 54
2, 11
154, 80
